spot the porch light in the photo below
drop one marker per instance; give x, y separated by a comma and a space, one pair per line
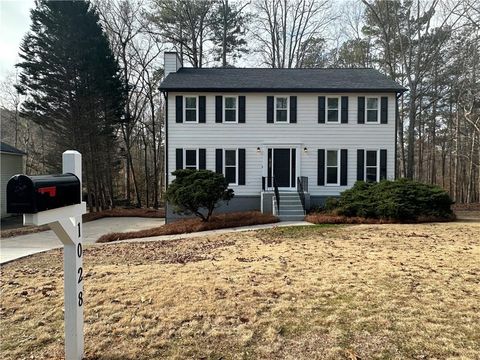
305, 150
258, 150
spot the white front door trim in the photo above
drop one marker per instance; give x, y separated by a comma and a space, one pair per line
275, 145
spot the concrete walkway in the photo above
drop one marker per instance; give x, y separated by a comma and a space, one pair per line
20, 246
213, 232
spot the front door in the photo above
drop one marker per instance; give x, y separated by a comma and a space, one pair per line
281, 166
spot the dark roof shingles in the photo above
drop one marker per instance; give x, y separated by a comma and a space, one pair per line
279, 79
5, 148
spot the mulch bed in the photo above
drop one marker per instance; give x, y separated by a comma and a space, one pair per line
466, 207
323, 218
121, 212
326, 218
117, 212
185, 226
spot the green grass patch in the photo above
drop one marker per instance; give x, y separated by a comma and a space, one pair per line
295, 231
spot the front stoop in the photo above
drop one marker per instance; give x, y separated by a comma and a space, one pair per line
291, 208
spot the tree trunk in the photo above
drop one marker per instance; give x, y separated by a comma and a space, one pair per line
145, 165
154, 147
411, 135
135, 184
456, 190
224, 40
471, 175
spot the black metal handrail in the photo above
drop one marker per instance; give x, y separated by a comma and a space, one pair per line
302, 188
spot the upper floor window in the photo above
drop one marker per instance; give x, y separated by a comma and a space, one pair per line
371, 165
332, 167
230, 108
191, 159
191, 112
230, 169
372, 110
281, 109
333, 113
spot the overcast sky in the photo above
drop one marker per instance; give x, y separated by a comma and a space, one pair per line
14, 24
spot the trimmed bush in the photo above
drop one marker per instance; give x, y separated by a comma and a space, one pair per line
331, 204
403, 200
197, 192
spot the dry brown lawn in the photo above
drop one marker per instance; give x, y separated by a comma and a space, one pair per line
320, 292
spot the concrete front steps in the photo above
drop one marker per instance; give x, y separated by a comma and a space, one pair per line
291, 208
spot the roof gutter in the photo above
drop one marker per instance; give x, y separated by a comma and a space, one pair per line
282, 90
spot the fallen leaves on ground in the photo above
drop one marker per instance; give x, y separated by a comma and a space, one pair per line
317, 292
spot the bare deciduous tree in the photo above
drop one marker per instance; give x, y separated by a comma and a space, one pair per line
288, 29
11, 99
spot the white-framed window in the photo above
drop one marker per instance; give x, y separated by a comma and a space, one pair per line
190, 159
230, 165
281, 109
191, 109
372, 110
333, 110
230, 109
332, 168
371, 165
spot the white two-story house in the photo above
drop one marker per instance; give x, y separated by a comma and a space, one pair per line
285, 139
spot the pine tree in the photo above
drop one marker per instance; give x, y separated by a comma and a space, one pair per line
186, 25
228, 26
71, 80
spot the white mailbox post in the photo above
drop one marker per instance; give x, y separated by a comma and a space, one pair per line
66, 222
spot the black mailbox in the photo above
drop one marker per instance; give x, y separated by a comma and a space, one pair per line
32, 194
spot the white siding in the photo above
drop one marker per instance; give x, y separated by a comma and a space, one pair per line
307, 132
171, 62
10, 165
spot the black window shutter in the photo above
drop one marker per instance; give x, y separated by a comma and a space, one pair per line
384, 110
321, 109
383, 164
360, 165
179, 159
202, 102
293, 109
241, 109
321, 167
343, 167
269, 109
219, 161
344, 109
241, 166
202, 159
218, 109
361, 110
179, 108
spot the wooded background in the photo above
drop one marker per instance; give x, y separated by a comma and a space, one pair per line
431, 47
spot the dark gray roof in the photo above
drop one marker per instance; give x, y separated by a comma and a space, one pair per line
5, 148
300, 80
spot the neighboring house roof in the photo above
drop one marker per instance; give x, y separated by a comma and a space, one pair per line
9, 149
280, 80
